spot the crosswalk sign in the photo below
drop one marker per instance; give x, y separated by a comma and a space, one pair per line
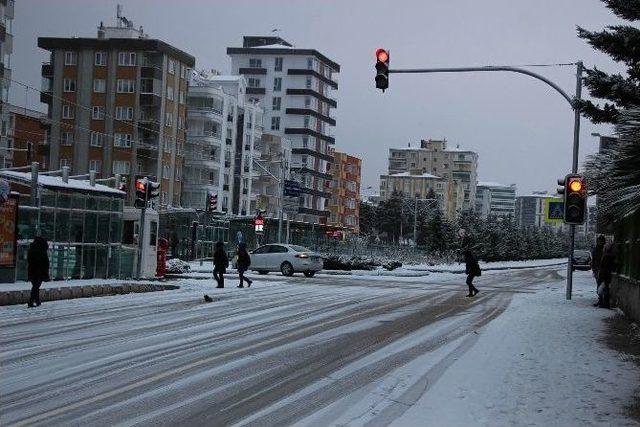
554, 211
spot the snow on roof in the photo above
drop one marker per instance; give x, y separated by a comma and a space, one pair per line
57, 182
420, 175
224, 78
540, 196
273, 46
492, 184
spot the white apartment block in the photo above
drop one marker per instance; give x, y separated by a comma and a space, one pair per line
459, 167
222, 130
295, 87
495, 199
416, 185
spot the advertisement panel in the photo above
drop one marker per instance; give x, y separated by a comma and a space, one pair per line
8, 232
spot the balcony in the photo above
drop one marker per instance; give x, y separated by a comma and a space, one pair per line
147, 145
228, 141
255, 91
317, 75
47, 69
310, 92
252, 71
150, 100
310, 152
310, 211
310, 132
313, 113
150, 72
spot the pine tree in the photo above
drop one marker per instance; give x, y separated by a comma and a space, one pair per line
622, 43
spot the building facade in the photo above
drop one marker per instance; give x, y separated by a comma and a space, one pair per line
531, 211
6, 49
117, 105
457, 166
223, 129
495, 199
275, 157
295, 87
417, 185
24, 137
345, 191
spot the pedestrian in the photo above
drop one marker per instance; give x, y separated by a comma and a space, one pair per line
38, 268
243, 263
220, 264
596, 259
607, 267
472, 269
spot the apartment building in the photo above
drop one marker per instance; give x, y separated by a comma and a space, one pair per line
24, 137
117, 105
495, 199
6, 49
223, 130
275, 157
295, 86
531, 210
345, 191
418, 185
458, 166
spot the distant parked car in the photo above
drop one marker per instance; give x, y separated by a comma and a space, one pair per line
581, 260
287, 259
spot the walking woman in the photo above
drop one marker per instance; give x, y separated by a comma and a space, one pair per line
38, 268
472, 269
220, 264
607, 268
244, 261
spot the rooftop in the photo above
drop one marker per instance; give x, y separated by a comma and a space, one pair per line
48, 181
416, 175
492, 184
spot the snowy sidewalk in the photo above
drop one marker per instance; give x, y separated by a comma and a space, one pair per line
542, 362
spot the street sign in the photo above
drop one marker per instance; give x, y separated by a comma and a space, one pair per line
291, 188
258, 224
8, 232
555, 210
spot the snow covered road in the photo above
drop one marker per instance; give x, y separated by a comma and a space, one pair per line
322, 351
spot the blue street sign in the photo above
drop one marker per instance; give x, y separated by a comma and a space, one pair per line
556, 210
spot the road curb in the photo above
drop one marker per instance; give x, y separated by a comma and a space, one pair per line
85, 291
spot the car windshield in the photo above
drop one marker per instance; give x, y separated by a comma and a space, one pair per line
299, 248
581, 253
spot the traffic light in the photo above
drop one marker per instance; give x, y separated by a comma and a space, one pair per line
212, 202
141, 193
382, 69
153, 188
122, 185
574, 189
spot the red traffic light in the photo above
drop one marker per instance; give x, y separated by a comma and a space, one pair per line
382, 55
140, 185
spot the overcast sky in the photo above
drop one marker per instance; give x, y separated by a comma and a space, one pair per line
521, 129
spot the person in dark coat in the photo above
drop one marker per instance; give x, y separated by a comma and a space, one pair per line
596, 258
38, 268
472, 269
607, 267
243, 263
220, 264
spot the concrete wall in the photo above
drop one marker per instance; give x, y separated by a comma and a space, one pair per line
625, 294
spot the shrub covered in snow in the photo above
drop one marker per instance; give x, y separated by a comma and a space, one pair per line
177, 266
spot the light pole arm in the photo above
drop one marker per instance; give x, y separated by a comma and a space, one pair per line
487, 68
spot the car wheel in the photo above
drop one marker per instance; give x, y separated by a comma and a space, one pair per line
287, 269
309, 273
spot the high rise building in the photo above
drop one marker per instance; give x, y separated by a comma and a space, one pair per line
6, 49
457, 166
495, 199
417, 185
223, 130
275, 157
117, 105
295, 87
345, 191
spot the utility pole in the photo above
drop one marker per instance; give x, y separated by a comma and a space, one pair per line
141, 229
573, 102
280, 181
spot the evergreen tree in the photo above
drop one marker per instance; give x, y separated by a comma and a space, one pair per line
368, 219
622, 43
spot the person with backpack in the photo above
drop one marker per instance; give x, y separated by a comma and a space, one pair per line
472, 269
220, 264
38, 268
243, 263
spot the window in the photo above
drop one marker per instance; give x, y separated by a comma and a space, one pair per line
126, 86
255, 63
122, 167
166, 171
253, 82
97, 112
122, 140
170, 93
101, 59
309, 63
66, 138
97, 139
306, 121
167, 145
180, 122
168, 119
181, 97
68, 111
127, 59
124, 113
307, 101
69, 85
183, 71
305, 141
178, 173
277, 101
304, 164
278, 65
94, 165
308, 83
172, 66
64, 163
99, 85
70, 58
275, 123
277, 84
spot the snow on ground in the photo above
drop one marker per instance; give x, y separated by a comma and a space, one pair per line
455, 267
21, 285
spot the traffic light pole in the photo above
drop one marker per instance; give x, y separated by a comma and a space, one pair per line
141, 232
281, 185
574, 102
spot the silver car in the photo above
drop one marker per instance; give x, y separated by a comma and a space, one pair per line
287, 259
